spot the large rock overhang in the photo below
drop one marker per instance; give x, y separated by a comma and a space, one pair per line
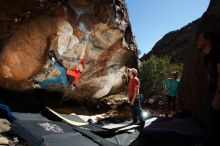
29, 29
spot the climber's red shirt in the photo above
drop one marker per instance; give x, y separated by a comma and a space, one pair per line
75, 72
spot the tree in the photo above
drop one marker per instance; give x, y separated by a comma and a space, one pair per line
153, 72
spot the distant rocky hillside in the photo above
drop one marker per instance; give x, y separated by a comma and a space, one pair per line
175, 43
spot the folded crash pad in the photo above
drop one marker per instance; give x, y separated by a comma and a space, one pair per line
50, 133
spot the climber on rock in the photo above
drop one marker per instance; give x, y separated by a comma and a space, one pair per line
67, 76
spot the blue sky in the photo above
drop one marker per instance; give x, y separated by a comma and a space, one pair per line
152, 19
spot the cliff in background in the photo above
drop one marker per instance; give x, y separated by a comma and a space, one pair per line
175, 43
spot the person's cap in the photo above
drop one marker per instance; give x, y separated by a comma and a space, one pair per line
133, 70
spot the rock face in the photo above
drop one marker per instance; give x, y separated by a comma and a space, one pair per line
29, 29
193, 91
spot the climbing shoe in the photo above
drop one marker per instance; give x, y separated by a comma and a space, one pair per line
51, 54
35, 86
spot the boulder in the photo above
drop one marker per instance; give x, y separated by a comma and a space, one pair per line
29, 29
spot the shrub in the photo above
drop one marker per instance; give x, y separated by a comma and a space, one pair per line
153, 72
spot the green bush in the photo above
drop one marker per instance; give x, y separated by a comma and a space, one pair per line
153, 72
